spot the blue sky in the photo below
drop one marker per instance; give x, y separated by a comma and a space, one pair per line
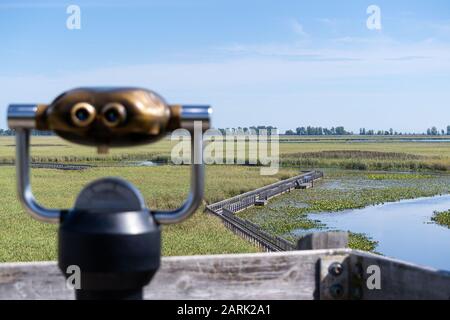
283, 63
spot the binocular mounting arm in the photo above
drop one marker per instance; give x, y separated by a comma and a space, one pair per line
24, 118
197, 186
26, 196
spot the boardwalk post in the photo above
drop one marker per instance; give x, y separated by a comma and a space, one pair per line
323, 240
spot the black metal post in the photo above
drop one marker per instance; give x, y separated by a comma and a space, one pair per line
112, 239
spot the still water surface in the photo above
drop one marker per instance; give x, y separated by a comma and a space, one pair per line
403, 229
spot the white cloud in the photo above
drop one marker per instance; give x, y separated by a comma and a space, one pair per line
441, 28
297, 27
331, 24
376, 40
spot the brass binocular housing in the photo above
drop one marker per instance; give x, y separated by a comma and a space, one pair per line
105, 117
109, 117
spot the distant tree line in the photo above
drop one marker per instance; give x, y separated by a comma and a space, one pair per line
247, 130
340, 131
433, 131
11, 132
6, 132
300, 131
318, 131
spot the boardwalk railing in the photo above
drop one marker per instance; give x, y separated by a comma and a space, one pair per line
226, 210
261, 276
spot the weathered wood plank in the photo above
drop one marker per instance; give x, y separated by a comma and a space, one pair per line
249, 276
32, 281
362, 275
283, 275
400, 280
280, 275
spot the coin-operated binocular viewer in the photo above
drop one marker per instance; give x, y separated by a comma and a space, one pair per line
109, 234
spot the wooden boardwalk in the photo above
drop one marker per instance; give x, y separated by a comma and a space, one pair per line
226, 210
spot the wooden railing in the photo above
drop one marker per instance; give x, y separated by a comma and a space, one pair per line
255, 234
294, 275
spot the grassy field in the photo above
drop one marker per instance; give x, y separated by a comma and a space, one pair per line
54, 149
384, 154
23, 239
348, 152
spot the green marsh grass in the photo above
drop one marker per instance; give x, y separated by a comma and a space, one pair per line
348, 152
342, 190
164, 187
23, 239
442, 218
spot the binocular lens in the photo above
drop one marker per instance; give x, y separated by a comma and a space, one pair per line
82, 114
113, 114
